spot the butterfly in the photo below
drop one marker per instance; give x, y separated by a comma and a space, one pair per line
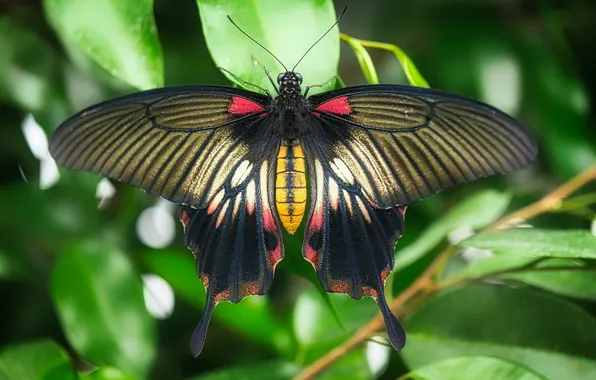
240, 164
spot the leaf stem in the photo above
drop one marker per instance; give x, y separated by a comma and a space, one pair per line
368, 68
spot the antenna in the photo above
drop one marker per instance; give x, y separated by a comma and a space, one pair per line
320, 38
257, 42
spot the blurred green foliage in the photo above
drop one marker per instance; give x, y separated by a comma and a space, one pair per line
70, 273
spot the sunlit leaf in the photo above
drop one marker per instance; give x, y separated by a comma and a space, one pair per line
578, 244
38, 360
107, 373
474, 368
571, 283
120, 36
286, 28
476, 212
495, 264
99, 299
546, 334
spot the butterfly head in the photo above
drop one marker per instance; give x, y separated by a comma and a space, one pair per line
289, 84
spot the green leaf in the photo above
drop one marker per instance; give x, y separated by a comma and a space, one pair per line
120, 36
276, 370
352, 366
30, 74
11, 265
570, 283
286, 28
99, 300
314, 323
549, 335
578, 244
317, 330
474, 368
107, 373
493, 264
39, 360
568, 150
253, 316
476, 212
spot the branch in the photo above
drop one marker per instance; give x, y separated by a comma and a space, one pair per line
425, 285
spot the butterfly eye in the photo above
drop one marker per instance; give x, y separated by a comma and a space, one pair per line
299, 77
280, 77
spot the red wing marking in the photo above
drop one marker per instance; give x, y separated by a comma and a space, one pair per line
270, 226
402, 210
368, 291
184, 219
204, 279
339, 287
338, 106
223, 296
243, 106
250, 289
384, 274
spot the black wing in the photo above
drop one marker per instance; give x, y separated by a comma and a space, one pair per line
406, 143
236, 241
210, 148
181, 143
371, 151
349, 240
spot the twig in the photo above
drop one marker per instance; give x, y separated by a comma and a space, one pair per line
551, 201
425, 283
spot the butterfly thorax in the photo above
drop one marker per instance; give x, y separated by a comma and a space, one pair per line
290, 181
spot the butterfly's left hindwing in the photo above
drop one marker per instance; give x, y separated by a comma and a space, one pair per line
236, 241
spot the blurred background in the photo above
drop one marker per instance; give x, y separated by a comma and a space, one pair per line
532, 59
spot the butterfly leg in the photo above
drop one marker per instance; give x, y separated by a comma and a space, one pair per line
335, 77
237, 78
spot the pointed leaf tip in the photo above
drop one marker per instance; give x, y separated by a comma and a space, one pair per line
395, 331
197, 339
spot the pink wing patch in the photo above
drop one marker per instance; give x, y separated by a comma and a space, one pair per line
243, 106
337, 106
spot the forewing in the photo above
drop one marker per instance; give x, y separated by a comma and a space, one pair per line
180, 143
349, 240
236, 241
405, 143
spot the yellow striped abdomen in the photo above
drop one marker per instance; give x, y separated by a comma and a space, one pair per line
290, 186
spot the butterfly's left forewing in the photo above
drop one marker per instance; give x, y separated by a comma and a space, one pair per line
180, 143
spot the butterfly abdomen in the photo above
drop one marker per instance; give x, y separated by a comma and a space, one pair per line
290, 186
